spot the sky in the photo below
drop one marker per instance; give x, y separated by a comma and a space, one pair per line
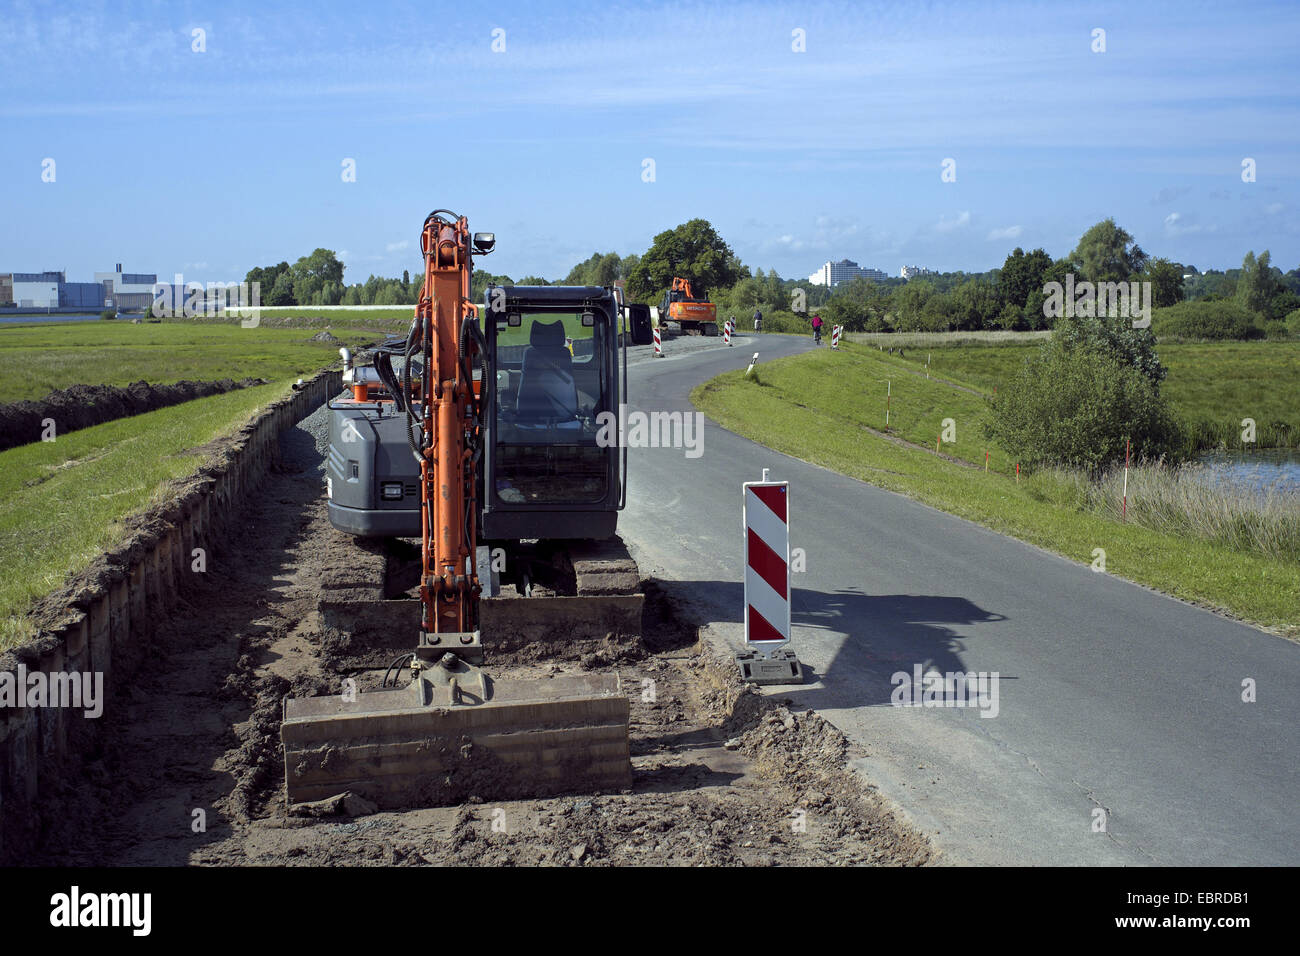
803, 131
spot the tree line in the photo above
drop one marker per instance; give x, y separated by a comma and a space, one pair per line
1256, 299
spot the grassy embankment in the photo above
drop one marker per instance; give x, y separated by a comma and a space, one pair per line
829, 408
388, 319
41, 358
62, 502
1211, 386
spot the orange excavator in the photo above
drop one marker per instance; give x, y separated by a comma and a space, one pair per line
694, 314
467, 406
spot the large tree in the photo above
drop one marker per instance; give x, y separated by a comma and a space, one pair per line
1021, 276
693, 251
318, 278
1258, 284
600, 269
1107, 253
1166, 280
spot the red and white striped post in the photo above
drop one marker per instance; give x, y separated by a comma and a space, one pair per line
726, 332
1123, 508
659, 345
835, 335
766, 512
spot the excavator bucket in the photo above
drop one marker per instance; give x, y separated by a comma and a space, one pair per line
454, 733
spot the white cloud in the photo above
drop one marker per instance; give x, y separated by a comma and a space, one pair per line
398, 246
1010, 232
1174, 226
948, 225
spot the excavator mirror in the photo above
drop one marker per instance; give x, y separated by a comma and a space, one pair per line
484, 242
588, 319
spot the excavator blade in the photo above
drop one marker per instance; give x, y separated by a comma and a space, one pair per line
440, 741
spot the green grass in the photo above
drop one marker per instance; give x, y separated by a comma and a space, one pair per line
1211, 386
385, 318
41, 358
818, 407
63, 502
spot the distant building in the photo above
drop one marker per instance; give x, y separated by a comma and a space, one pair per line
911, 272
846, 270
52, 290
126, 291
37, 290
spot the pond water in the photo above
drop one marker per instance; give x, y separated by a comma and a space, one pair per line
1277, 468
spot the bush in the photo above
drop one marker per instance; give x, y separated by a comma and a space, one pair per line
108, 314
1293, 323
1205, 320
1074, 406
1276, 330
779, 321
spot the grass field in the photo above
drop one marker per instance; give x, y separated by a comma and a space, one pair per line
818, 407
386, 318
41, 358
62, 502
1212, 387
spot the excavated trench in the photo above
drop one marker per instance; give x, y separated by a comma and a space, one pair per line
193, 771
81, 406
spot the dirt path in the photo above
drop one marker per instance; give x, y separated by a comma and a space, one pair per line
721, 775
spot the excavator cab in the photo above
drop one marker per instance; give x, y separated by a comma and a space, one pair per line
552, 466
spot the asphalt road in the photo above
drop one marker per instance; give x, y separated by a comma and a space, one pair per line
1116, 705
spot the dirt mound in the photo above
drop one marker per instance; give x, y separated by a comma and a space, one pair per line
323, 336
81, 406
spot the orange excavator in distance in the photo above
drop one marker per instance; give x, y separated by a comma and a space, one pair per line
694, 314
460, 398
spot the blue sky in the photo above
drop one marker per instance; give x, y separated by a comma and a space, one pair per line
208, 163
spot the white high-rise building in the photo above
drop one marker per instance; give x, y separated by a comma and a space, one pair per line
911, 272
846, 270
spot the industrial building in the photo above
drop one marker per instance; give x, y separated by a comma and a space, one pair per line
51, 290
126, 291
36, 290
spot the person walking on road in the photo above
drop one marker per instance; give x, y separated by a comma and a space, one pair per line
758, 320
817, 329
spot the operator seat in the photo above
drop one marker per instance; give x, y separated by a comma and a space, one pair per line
548, 394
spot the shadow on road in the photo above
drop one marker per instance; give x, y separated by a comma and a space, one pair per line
881, 634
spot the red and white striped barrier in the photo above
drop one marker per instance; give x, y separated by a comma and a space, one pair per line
767, 564
766, 658
659, 345
835, 335
726, 332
